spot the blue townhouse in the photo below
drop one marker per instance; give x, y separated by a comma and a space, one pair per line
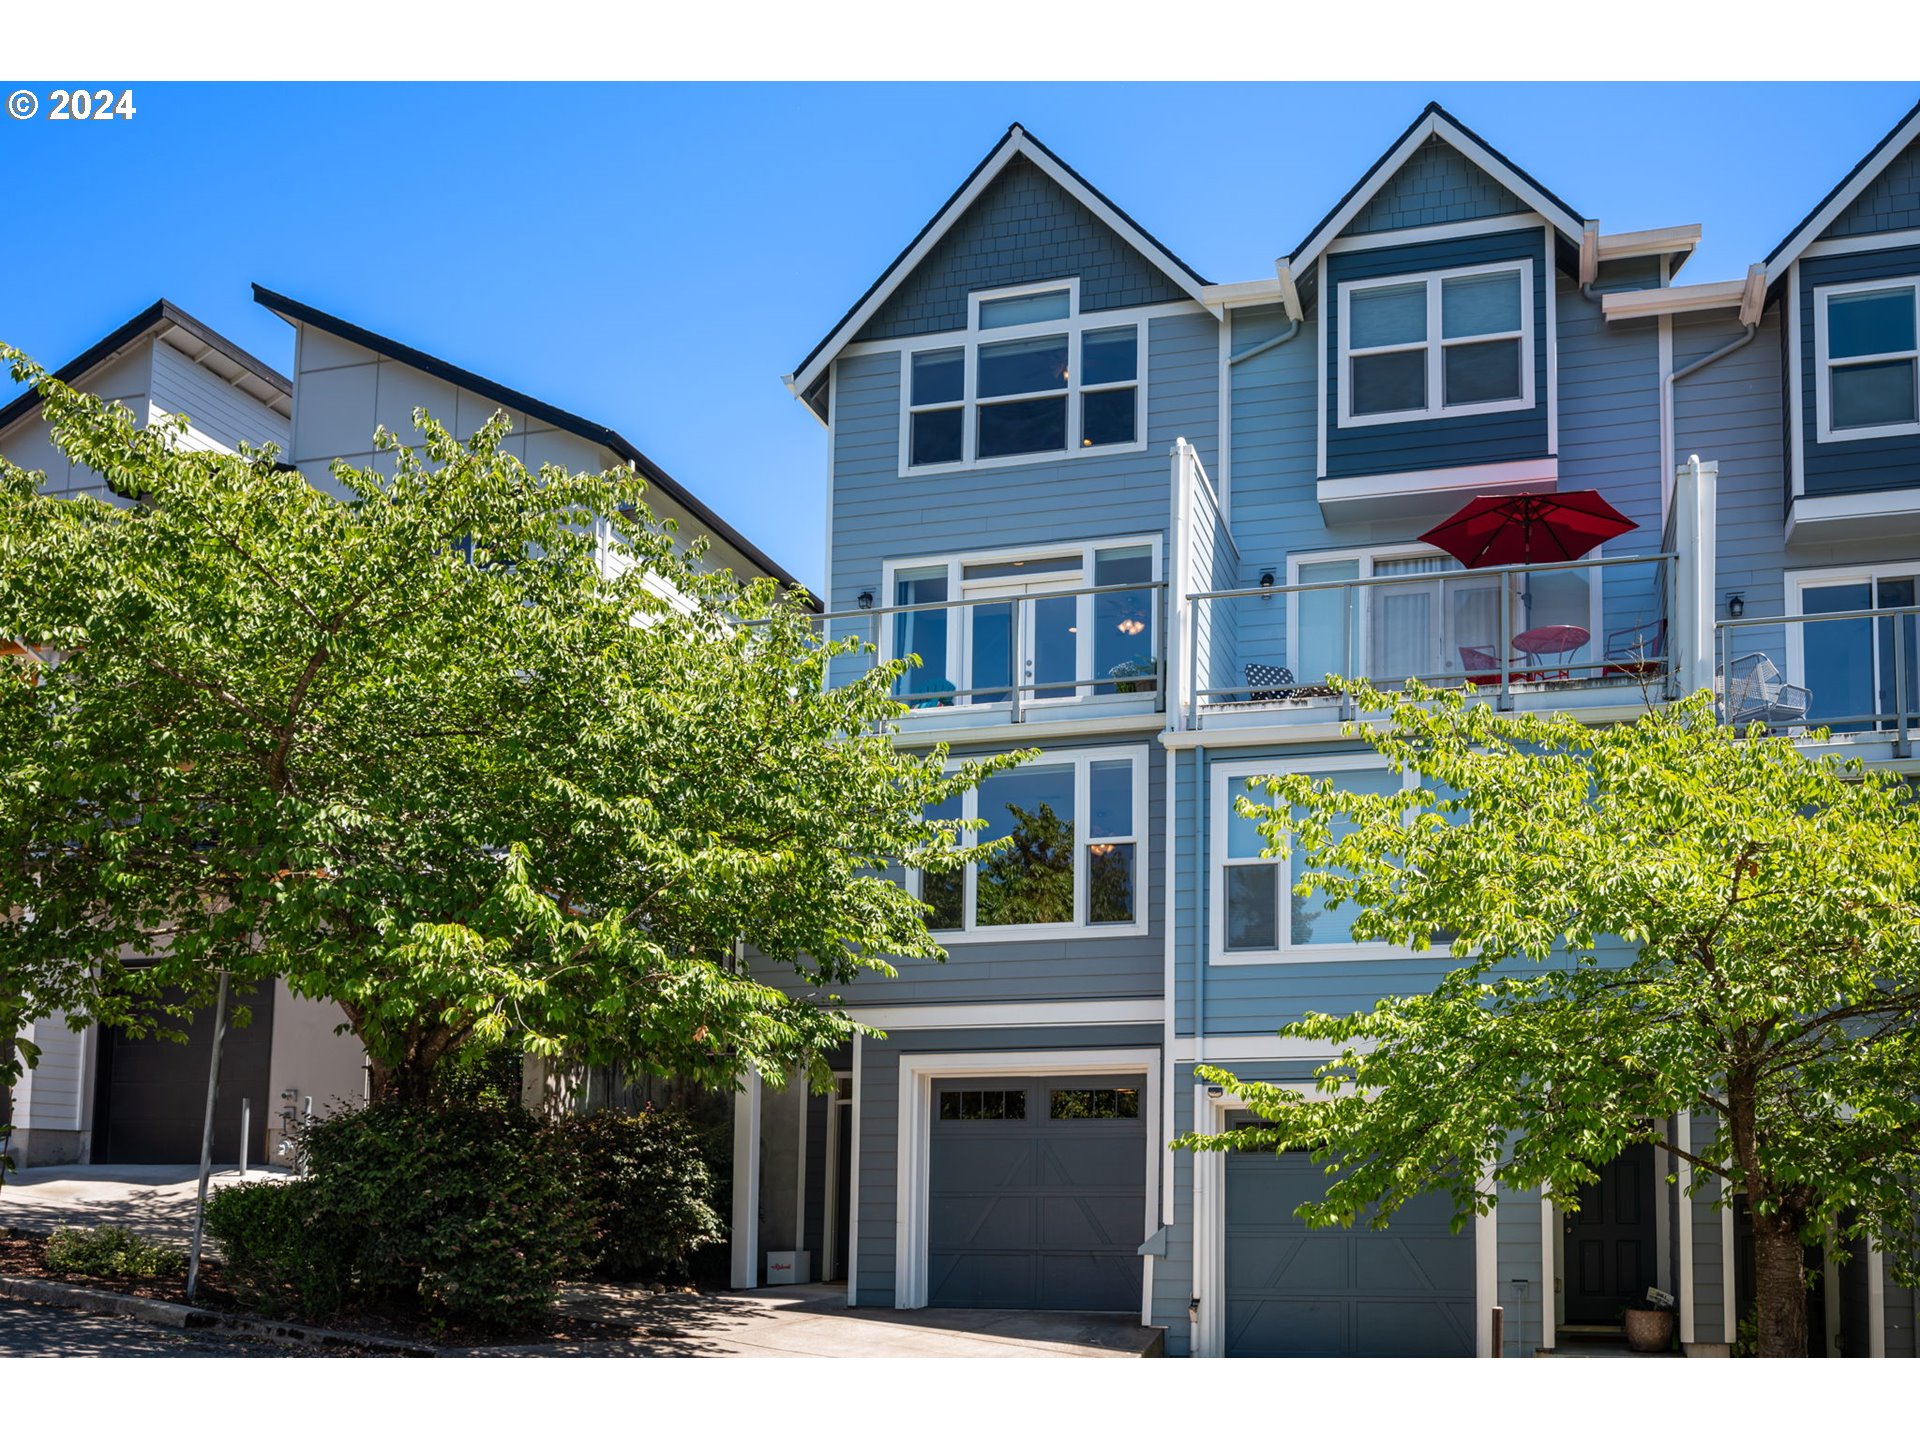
1132, 517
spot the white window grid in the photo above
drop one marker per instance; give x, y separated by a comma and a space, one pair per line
1436, 344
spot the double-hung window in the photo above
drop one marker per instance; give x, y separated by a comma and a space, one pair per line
1257, 919
1866, 339
992, 614
1453, 342
1075, 863
1030, 377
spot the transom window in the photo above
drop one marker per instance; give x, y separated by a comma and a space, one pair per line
1256, 916
1076, 821
1020, 609
1033, 377
1453, 342
983, 1105
1867, 353
1122, 1104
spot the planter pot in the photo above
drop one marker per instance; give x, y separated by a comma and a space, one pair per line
1649, 1332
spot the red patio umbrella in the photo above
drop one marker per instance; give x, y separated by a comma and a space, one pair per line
1527, 529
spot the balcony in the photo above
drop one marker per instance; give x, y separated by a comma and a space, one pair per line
1579, 634
1852, 671
1019, 652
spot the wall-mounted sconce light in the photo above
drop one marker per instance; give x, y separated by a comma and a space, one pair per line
1736, 605
1266, 579
866, 599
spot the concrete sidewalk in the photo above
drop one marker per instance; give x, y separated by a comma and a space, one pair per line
813, 1322
153, 1200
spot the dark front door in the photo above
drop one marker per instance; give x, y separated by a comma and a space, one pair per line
1610, 1259
150, 1095
1037, 1193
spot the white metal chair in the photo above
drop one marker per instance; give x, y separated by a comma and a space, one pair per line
1755, 690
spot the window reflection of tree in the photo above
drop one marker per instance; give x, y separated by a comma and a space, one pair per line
1030, 880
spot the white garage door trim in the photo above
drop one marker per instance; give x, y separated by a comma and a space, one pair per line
1211, 1105
915, 1163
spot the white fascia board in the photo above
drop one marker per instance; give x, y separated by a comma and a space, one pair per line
1017, 142
1569, 226
1244, 292
1634, 244
1815, 224
1674, 300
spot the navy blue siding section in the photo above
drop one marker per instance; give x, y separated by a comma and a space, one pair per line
1442, 443
880, 1120
1023, 228
1891, 202
1850, 466
1436, 186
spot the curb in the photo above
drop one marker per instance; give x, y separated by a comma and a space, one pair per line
176, 1316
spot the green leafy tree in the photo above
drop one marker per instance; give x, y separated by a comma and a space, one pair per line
469, 750
1653, 919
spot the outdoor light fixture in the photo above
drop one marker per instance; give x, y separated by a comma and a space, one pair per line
1736, 605
1266, 579
866, 599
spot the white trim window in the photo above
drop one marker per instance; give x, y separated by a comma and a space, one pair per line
1436, 621
1256, 918
1448, 342
1866, 344
1077, 862
1068, 646
1030, 378
1849, 666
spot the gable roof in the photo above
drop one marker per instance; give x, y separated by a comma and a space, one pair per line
1434, 121
1015, 143
1844, 194
293, 310
252, 376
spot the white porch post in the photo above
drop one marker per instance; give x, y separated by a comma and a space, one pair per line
1695, 541
746, 1184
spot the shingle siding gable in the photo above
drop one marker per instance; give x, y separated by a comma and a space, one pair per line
1891, 202
1022, 229
1437, 185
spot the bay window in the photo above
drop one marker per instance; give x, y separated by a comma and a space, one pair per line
1867, 359
1452, 342
1033, 377
1075, 823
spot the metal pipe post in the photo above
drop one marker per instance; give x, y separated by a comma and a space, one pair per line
206, 1138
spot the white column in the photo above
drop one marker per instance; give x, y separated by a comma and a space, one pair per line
853, 1186
1695, 541
1684, 1241
746, 1184
1486, 1272
1876, 1301
1549, 1271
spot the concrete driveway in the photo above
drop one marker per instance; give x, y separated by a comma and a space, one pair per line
155, 1200
813, 1322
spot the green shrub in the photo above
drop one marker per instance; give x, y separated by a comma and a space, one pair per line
648, 1191
280, 1254
465, 1213
108, 1252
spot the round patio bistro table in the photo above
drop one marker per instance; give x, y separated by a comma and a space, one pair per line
1557, 641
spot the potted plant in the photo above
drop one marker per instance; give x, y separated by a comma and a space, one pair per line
1135, 676
1649, 1326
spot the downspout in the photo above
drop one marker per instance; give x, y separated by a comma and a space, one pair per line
1293, 329
1202, 890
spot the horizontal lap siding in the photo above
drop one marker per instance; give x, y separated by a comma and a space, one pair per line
878, 515
1709, 1266
1460, 440
1729, 413
221, 415
29, 443
1106, 967
880, 1120
1844, 467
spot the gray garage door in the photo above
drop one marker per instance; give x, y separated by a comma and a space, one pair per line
1405, 1290
1037, 1193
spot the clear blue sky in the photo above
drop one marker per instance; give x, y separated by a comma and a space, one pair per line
655, 257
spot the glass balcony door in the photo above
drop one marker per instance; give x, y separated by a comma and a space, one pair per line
1848, 665
1049, 628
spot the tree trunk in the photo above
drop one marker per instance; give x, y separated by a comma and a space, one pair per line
1780, 1286
402, 1068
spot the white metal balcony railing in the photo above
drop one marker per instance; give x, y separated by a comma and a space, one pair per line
1019, 655
1854, 671
1505, 629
